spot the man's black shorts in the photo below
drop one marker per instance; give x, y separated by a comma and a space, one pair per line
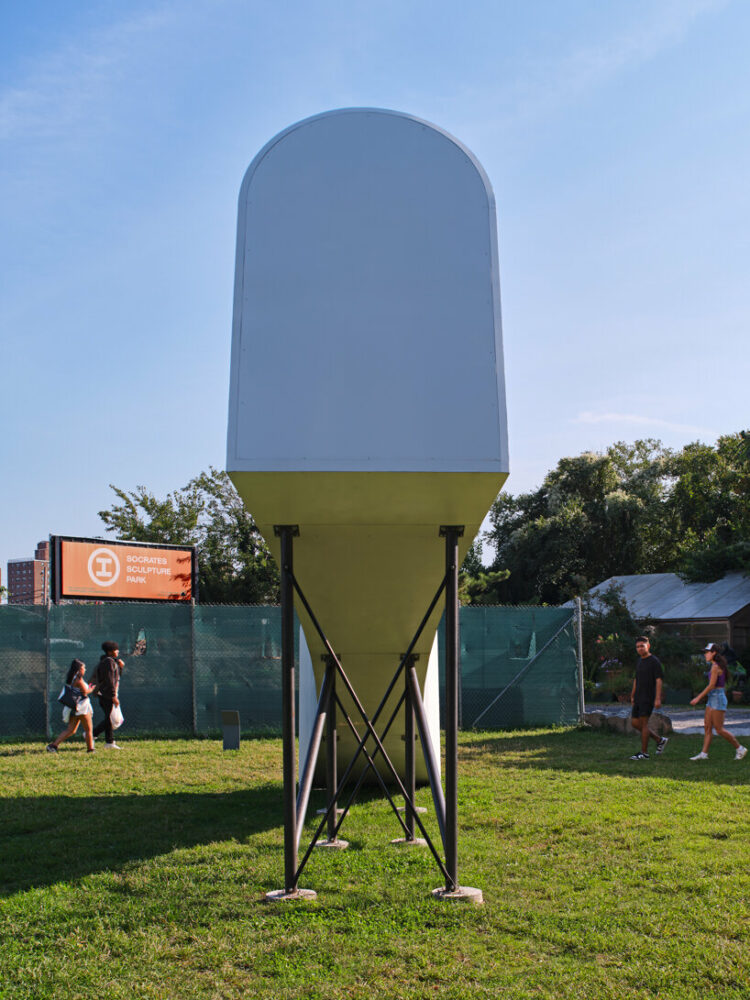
642, 708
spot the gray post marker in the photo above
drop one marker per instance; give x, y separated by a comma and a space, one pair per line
452, 889
290, 891
230, 724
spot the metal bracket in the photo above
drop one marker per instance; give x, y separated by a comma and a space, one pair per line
279, 528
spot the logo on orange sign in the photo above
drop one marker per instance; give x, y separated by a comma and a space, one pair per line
104, 567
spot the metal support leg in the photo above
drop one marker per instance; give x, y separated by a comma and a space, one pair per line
452, 890
451, 704
290, 891
331, 750
410, 775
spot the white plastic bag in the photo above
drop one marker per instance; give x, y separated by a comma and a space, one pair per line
116, 717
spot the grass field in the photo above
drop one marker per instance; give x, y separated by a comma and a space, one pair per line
141, 874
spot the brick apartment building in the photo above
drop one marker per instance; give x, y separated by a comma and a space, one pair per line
28, 579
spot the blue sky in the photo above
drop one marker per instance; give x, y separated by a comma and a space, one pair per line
616, 136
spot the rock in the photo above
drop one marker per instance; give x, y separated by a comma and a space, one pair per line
594, 719
619, 724
661, 724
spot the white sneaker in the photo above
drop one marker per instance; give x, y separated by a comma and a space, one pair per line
698, 756
740, 753
111, 746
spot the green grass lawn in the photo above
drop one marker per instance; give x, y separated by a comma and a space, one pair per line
141, 874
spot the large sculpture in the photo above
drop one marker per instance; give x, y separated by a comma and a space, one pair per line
367, 413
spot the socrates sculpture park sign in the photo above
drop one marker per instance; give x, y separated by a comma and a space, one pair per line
94, 569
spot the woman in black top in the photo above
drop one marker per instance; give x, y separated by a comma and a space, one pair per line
108, 673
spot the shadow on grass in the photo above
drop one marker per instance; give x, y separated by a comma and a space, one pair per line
47, 839
587, 751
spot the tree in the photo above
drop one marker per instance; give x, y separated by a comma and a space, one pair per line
483, 587
472, 564
234, 563
594, 516
710, 507
637, 508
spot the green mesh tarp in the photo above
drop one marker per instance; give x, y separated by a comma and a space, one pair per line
157, 685
518, 667
238, 666
185, 664
23, 670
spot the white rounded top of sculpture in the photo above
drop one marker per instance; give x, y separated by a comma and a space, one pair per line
366, 329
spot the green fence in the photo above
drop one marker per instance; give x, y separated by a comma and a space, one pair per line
519, 667
185, 663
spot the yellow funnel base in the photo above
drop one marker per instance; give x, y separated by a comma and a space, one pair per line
369, 560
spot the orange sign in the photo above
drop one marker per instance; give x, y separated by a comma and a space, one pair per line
123, 572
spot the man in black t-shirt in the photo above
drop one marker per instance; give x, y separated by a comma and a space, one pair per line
646, 696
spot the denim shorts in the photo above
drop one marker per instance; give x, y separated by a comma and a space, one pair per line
717, 699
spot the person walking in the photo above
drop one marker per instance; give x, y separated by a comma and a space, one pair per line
83, 712
108, 673
646, 696
716, 704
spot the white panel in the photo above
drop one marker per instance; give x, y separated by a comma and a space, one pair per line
431, 698
308, 702
367, 315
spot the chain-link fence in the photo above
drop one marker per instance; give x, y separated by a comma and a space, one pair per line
185, 663
519, 667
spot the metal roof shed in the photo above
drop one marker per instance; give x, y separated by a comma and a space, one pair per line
706, 612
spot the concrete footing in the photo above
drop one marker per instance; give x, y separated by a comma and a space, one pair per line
282, 896
404, 842
333, 845
463, 894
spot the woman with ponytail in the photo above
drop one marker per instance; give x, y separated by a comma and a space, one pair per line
716, 704
82, 713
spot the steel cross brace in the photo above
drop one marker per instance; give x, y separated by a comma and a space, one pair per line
295, 811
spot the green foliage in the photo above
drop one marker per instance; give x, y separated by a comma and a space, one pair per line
476, 585
636, 508
234, 564
484, 588
709, 506
609, 634
594, 516
472, 564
